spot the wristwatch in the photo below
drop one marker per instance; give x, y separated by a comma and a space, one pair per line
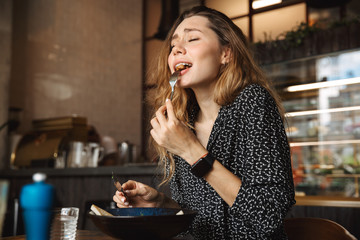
203, 165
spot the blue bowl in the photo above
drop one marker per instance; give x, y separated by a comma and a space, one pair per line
143, 223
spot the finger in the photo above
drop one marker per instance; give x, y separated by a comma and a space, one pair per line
116, 199
155, 136
155, 123
119, 205
136, 189
170, 110
129, 185
133, 193
119, 202
120, 198
160, 114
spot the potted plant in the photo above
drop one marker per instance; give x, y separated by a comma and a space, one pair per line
305, 41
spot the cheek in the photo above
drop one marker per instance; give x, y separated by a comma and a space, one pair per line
210, 55
210, 61
169, 61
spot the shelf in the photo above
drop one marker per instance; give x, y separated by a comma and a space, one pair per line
327, 201
322, 137
322, 111
322, 120
322, 143
138, 169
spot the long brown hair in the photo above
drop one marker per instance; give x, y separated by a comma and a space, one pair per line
233, 77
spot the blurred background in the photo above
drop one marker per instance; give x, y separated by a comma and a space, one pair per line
74, 90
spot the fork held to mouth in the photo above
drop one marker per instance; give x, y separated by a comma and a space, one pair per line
172, 81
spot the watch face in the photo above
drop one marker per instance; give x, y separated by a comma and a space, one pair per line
203, 166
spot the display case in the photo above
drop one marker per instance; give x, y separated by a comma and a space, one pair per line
321, 97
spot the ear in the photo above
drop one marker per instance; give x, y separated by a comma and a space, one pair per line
226, 55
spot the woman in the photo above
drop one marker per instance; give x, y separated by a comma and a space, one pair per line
221, 139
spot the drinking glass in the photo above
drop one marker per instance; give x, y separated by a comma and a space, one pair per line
64, 223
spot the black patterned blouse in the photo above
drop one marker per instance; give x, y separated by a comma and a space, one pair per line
249, 139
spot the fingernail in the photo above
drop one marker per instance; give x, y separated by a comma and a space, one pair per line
130, 206
126, 203
167, 100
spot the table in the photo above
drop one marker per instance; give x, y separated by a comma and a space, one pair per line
80, 235
88, 235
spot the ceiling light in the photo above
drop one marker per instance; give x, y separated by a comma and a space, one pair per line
264, 3
321, 143
318, 85
331, 110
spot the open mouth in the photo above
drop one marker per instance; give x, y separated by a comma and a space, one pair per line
182, 66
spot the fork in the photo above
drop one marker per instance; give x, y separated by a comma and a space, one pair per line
172, 81
117, 184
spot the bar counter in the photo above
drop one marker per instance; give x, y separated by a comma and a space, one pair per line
77, 187
328, 201
80, 187
126, 170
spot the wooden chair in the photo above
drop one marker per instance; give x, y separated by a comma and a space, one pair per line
315, 229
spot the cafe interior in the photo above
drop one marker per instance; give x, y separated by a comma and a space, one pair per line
74, 94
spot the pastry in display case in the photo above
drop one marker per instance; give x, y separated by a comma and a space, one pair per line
321, 97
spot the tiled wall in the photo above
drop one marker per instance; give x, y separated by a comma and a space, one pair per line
79, 57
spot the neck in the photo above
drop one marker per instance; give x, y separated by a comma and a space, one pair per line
209, 109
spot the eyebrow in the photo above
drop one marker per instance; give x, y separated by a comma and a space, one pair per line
186, 30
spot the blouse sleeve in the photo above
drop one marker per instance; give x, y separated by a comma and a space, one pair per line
264, 165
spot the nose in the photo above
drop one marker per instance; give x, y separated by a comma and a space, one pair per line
178, 49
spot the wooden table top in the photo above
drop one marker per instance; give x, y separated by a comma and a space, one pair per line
80, 235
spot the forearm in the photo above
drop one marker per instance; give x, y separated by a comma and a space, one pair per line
224, 182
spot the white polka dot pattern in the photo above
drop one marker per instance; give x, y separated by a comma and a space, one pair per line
249, 139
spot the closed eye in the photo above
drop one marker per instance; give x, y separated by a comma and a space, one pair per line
193, 39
